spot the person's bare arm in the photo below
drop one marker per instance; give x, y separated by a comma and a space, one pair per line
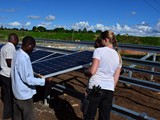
94, 66
9, 62
93, 69
116, 76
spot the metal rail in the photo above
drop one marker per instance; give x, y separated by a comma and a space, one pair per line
141, 70
131, 115
141, 83
66, 42
55, 50
136, 47
143, 48
141, 62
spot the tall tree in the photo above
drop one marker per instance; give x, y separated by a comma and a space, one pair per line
34, 28
59, 30
41, 29
85, 30
2, 28
98, 31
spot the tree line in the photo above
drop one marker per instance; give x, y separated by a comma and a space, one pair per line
56, 30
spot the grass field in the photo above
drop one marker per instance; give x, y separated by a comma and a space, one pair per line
80, 36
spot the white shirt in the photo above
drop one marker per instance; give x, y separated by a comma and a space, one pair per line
7, 52
23, 80
109, 62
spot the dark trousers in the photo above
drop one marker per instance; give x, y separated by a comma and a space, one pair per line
101, 100
7, 96
23, 109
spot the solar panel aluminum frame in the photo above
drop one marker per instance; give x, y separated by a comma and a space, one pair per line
44, 58
40, 54
65, 71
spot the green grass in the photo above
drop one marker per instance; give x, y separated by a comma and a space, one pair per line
80, 36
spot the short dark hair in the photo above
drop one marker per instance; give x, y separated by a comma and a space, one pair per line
12, 36
28, 40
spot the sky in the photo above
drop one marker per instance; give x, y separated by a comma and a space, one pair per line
133, 17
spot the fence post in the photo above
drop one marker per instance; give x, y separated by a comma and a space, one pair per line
154, 59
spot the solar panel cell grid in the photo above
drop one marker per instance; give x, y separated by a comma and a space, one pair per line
62, 63
52, 56
39, 54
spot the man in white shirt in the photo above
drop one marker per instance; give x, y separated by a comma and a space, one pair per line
23, 81
7, 52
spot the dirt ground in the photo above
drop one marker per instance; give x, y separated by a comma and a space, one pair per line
65, 107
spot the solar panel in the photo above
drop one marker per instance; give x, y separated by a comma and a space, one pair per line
63, 64
1, 45
54, 55
38, 54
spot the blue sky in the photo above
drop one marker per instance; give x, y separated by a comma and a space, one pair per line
133, 17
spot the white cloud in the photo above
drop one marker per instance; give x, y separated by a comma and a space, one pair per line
45, 24
138, 30
127, 28
50, 18
91, 28
33, 17
157, 26
118, 27
27, 24
133, 13
80, 25
14, 24
8, 10
99, 27
59, 26
142, 29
